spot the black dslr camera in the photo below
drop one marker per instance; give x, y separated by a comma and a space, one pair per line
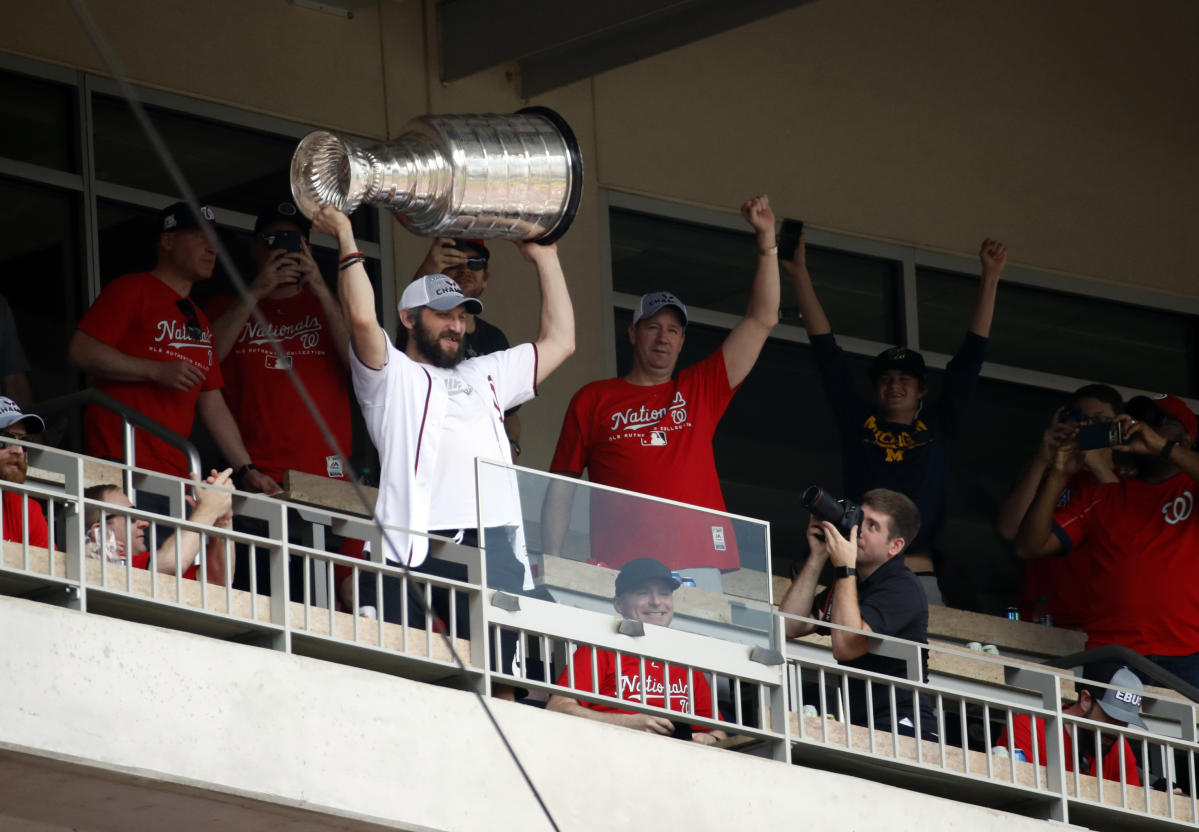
844, 514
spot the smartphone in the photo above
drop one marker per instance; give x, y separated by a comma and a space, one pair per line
289, 241
788, 238
1099, 435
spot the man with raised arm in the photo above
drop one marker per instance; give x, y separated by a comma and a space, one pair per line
651, 431
872, 591
431, 414
146, 344
123, 539
1140, 533
644, 592
898, 440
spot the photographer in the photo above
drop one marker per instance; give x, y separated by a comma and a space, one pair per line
1057, 580
872, 591
899, 441
1141, 536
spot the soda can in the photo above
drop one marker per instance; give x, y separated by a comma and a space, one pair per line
1013, 613
682, 579
1018, 755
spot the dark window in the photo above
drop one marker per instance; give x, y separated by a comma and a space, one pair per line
712, 268
228, 166
40, 123
41, 265
1072, 335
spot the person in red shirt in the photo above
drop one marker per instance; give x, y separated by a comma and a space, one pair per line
1141, 536
145, 344
644, 592
1061, 581
303, 319
1117, 705
120, 538
14, 424
651, 432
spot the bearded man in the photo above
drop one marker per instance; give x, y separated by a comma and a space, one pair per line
15, 424
431, 413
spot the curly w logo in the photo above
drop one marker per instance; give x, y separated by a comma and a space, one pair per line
1179, 508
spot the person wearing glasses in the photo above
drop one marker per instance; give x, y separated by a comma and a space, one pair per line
15, 424
146, 344
467, 263
302, 318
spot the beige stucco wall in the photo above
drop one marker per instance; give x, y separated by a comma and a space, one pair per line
1067, 128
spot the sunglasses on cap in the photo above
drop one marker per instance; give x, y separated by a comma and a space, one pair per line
194, 330
476, 264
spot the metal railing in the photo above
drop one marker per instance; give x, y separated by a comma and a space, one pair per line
131, 422
790, 701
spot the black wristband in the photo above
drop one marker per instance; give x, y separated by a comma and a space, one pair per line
1167, 448
240, 474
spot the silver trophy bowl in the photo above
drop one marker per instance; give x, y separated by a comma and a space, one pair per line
516, 176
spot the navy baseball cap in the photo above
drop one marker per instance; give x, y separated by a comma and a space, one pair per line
639, 570
898, 358
282, 212
179, 216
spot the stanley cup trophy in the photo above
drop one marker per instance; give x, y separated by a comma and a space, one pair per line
517, 176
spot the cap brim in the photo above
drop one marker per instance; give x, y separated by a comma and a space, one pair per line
8, 420
473, 305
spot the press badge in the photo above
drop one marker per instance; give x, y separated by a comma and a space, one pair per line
333, 466
718, 538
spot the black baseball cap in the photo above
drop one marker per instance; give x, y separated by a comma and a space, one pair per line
639, 570
474, 243
898, 358
282, 212
179, 216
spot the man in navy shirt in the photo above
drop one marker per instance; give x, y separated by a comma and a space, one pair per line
898, 440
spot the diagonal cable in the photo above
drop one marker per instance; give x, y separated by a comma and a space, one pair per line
92, 29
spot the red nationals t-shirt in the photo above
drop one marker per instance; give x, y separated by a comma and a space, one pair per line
1143, 543
140, 315
277, 428
605, 683
655, 440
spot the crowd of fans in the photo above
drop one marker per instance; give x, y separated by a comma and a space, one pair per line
1105, 524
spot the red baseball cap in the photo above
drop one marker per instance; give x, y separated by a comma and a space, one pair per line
1177, 408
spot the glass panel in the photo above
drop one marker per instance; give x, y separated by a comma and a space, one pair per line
40, 122
578, 535
1002, 432
712, 268
228, 166
1071, 335
41, 264
778, 437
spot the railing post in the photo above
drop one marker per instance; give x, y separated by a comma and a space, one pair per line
280, 583
73, 556
780, 719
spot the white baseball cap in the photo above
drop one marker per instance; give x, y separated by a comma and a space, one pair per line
10, 414
440, 292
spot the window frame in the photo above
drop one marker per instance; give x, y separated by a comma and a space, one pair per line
92, 189
910, 258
